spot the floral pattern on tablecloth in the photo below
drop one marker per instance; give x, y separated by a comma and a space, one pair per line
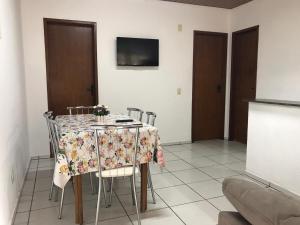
78, 154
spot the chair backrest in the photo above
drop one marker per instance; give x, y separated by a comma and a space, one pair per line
151, 116
114, 132
49, 115
55, 136
75, 110
135, 113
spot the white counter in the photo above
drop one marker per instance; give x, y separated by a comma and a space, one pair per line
273, 151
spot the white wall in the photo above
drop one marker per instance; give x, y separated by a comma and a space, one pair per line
13, 129
273, 145
150, 89
278, 74
273, 131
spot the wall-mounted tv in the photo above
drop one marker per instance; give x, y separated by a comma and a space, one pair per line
137, 52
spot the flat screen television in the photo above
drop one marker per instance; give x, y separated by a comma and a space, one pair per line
137, 52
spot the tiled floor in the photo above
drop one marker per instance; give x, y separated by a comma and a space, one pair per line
188, 190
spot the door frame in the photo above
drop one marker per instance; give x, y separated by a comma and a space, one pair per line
232, 75
93, 25
224, 75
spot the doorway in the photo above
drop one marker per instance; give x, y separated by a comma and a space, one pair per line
243, 80
209, 82
71, 63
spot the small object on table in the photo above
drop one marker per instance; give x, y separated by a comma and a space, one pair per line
100, 111
124, 121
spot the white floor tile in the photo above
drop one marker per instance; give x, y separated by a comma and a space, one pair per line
21, 218
118, 221
170, 156
188, 155
164, 180
126, 201
196, 147
49, 163
177, 165
48, 216
122, 186
40, 201
224, 158
44, 174
33, 164
222, 204
218, 171
208, 189
158, 217
201, 162
240, 155
191, 176
30, 176
178, 195
24, 203
28, 187
239, 167
175, 148
213, 158
197, 213
43, 184
156, 169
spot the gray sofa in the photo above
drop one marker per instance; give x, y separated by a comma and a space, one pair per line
257, 205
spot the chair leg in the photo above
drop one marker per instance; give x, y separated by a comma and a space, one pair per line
98, 200
104, 192
51, 190
151, 185
56, 190
132, 191
111, 191
61, 203
135, 200
92, 183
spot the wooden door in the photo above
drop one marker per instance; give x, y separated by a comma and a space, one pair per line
209, 81
243, 80
71, 59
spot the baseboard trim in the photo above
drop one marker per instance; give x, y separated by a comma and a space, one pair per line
12, 220
271, 185
176, 143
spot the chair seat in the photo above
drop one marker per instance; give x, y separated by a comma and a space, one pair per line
119, 172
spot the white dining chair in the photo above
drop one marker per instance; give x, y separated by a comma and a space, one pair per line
49, 115
151, 116
55, 136
75, 110
123, 171
150, 120
135, 113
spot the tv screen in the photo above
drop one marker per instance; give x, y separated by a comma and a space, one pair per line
137, 52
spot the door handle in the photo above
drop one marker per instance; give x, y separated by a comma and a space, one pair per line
219, 88
91, 89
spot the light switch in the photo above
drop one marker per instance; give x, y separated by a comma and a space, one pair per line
179, 27
178, 91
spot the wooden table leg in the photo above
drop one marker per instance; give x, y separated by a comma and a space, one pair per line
144, 185
78, 200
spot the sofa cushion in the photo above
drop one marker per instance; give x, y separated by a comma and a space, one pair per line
231, 218
261, 206
291, 221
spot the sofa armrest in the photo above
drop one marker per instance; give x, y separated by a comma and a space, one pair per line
258, 205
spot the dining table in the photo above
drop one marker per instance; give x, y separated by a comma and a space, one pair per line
78, 156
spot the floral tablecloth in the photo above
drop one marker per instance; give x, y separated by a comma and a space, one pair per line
77, 151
